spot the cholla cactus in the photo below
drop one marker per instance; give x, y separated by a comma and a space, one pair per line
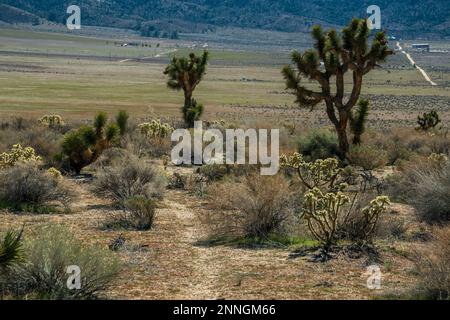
319, 173
371, 215
325, 213
322, 212
55, 173
52, 121
156, 129
440, 160
18, 154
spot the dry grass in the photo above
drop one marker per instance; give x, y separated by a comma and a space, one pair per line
257, 206
433, 267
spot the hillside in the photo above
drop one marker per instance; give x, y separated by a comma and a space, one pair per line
405, 18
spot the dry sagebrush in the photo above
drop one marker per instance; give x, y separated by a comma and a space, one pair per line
257, 206
129, 178
26, 184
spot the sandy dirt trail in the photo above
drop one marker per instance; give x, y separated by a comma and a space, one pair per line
413, 63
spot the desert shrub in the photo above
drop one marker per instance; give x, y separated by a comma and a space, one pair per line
318, 144
425, 186
143, 145
18, 154
362, 219
10, 249
48, 254
25, 186
367, 157
129, 178
155, 128
213, 172
52, 121
433, 267
138, 214
110, 157
178, 181
256, 207
404, 144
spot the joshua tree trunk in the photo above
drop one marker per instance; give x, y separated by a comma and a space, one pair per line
186, 107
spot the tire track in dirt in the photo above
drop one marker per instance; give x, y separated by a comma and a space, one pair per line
204, 265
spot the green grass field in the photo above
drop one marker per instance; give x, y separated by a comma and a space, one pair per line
73, 87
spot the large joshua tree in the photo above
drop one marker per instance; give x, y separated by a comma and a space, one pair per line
186, 74
335, 55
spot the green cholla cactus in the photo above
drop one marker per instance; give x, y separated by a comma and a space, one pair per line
18, 154
55, 173
322, 212
439, 160
326, 212
428, 121
319, 173
155, 129
371, 215
53, 121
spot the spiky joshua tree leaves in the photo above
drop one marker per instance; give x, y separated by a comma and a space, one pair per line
84, 145
358, 120
327, 64
185, 74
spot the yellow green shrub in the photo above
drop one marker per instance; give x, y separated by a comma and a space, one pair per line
51, 121
18, 154
155, 129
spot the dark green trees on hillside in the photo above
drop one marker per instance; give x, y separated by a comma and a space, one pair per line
185, 74
335, 55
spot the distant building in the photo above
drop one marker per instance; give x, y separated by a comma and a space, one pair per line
421, 47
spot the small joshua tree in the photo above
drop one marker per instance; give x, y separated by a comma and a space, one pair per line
186, 74
331, 59
84, 145
428, 121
